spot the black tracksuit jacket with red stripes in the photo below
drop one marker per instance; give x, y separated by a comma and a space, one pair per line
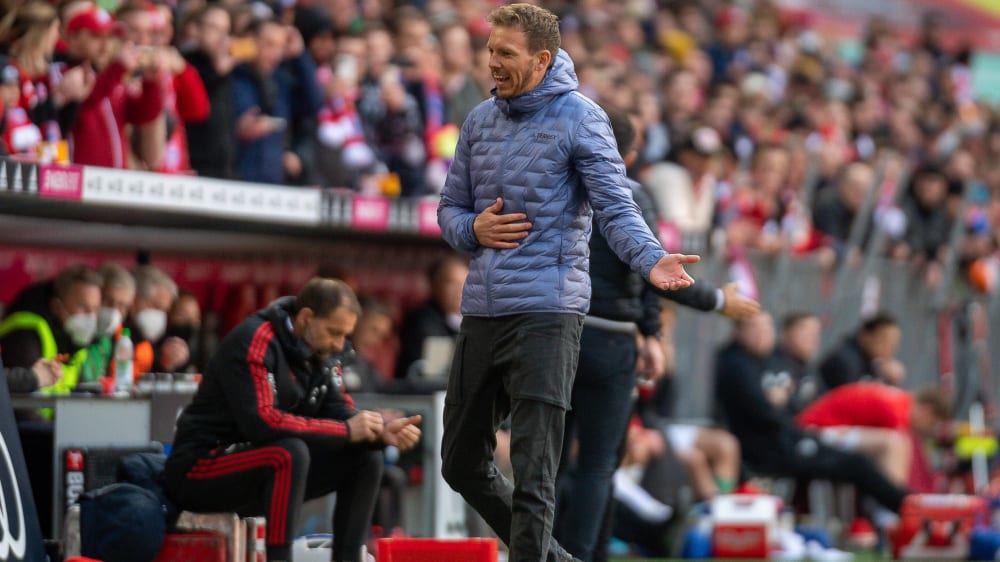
262, 384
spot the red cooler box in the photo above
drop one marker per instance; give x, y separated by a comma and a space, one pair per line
744, 525
436, 550
937, 526
194, 546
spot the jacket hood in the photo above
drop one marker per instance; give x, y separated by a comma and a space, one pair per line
279, 314
559, 79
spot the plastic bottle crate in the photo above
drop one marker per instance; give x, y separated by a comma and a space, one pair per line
436, 550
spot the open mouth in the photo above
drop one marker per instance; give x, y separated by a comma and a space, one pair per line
501, 80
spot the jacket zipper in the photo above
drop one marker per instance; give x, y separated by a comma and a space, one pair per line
493, 255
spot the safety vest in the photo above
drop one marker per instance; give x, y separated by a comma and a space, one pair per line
31, 321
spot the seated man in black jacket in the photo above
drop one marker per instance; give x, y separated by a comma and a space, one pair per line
270, 425
748, 384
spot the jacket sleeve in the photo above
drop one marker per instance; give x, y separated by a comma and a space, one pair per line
700, 296
249, 382
105, 82
147, 106
649, 322
603, 175
21, 380
456, 210
338, 406
192, 99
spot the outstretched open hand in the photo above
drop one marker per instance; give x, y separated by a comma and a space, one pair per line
668, 273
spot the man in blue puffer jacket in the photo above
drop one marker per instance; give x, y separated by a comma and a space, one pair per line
531, 164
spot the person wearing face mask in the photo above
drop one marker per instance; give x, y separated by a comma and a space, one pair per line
117, 295
439, 316
184, 322
156, 352
45, 335
43, 346
272, 425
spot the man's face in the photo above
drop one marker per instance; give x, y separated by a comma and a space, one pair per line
757, 335
882, 343
270, 47
140, 27
325, 335
83, 298
802, 339
161, 299
515, 69
214, 30
370, 332
88, 46
120, 298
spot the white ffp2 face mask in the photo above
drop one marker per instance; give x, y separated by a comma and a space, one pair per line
81, 328
152, 323
109, 319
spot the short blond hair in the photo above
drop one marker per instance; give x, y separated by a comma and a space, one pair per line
540, 26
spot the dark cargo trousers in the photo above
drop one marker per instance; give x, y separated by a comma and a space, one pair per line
522, 365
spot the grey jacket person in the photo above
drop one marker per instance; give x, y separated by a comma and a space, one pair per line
550, 154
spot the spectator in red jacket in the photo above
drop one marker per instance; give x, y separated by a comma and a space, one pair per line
98, 137
162, 143
876, 419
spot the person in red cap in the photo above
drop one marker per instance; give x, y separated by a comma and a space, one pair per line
98, 137
161, 145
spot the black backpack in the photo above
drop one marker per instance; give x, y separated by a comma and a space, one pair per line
121, 522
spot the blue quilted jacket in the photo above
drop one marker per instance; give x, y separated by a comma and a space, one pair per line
550, 154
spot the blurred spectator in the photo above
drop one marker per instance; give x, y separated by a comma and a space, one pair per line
373, 330
162, 144
184, 323
43, 340
155, 292
438, 317
318, 34
796, 353
462, 93
752, 212
684, 189
398, 132
210, 142
270, 92
117, 296
97, 138
343, 153
43, 110
47, 328
875, 420
836, 209
771, 443
868, 354
928, 224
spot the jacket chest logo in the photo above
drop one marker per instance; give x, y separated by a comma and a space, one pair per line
544, 137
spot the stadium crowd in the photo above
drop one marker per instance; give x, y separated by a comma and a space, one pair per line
754, 124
